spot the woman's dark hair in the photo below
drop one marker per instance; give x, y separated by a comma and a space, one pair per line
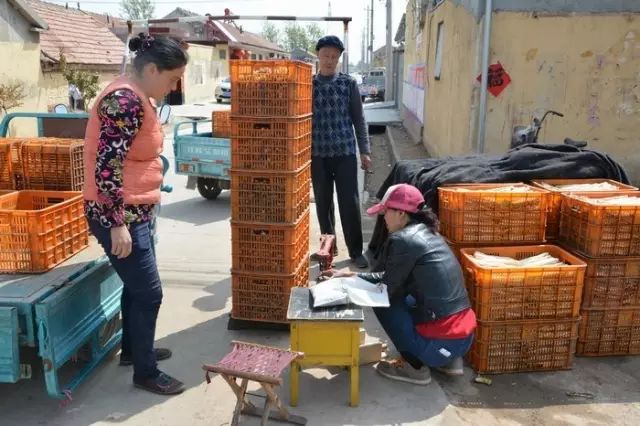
166, 53
427, 216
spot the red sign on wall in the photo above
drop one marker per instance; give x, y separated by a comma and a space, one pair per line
499, 79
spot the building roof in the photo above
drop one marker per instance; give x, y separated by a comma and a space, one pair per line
297, 52
402, 27
380, 52
82, 39
247, 38
29, 14
232, 34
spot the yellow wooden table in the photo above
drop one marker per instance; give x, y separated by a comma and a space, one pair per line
327, 337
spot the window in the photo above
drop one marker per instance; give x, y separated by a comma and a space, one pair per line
223, 54
437, 70
253, 56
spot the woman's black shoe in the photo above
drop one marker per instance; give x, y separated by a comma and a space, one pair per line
161, 354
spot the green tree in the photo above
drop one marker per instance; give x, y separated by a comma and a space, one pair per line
137, 9
295, 37
86, 82
314, 33
271, 32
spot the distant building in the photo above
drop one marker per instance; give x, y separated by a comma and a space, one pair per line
379, 57
305, 56
238, 42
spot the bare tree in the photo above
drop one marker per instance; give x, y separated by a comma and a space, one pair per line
12, 93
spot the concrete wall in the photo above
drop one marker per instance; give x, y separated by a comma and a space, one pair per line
476, 7
449, 100
414, 55
13, 26
22, 46
204, 70
587, 66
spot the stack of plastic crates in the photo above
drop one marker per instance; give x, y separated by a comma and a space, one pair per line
42, 219
607, 237
527, 316
270, 185
49, 164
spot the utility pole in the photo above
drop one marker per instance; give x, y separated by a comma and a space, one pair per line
363, 59
371, 39
366, 38
388, 90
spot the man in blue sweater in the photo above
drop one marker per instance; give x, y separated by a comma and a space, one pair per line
337, 110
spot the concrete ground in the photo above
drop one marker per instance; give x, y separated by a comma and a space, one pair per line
194, 258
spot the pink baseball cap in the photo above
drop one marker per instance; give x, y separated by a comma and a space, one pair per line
403, 197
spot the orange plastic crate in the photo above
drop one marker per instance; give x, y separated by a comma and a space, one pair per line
6, 165
611, 283
40, 229
521, 346
609, 332
267, 99
53, 164
456, 248
483, 215
265, 297
16, 159
555, 199
271, 154
532, 293
221, 124
270, 197
600, 231
271, 127
275, 71
269, 249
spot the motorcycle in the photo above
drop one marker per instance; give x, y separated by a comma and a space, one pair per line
523, 135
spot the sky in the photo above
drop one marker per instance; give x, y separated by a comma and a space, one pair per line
352, 8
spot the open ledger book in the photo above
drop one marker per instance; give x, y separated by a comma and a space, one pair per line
343, 291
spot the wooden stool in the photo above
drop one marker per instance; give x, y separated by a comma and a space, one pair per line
260, 364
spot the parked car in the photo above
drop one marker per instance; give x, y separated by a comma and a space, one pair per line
373, 84
223, 90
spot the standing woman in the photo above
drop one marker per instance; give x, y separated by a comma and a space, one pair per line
123, 174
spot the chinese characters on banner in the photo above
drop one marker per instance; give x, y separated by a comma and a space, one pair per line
414, 90
499, 79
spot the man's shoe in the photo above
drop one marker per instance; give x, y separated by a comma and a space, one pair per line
361, 262
403, 372
455, 368
162, 385
161, 354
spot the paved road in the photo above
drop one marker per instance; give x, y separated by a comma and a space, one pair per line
194, 255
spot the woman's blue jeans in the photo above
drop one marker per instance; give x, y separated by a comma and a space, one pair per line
398, 323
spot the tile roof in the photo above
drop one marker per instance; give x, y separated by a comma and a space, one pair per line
83, 40
248, 38
232, 32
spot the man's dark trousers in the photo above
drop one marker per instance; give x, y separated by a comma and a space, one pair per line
343, 171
